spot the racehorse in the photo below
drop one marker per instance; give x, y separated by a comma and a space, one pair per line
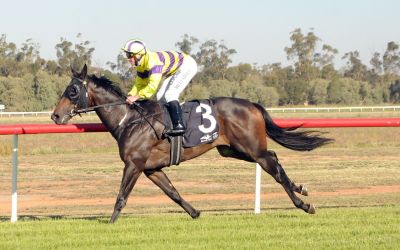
138, 129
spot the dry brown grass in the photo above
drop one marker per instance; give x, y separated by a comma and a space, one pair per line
79, 174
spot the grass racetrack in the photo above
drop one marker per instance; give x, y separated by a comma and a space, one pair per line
332, 228
68, 184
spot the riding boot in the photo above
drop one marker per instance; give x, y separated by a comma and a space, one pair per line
175, 112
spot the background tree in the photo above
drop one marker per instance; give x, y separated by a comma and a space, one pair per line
312, 79
124, 71
325, 62
318, 91
391, 59
240, 72
344, 91
296, 90
302, 52
376, 64
376, 70
73, 55
7, 57
355, 68
214, 59
187, 43
29, 52
276, 76
395, 91
196, 91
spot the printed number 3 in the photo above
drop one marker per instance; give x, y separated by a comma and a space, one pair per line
206, 115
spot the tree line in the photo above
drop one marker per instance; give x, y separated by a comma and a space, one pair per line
29, 82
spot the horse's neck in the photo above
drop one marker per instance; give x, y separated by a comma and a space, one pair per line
111, 116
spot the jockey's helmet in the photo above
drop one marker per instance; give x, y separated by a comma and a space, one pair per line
135, 47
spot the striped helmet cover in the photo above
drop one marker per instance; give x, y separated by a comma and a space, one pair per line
135, 46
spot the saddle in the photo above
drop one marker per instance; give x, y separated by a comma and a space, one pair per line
201, 127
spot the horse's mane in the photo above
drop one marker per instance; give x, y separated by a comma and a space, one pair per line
107, 84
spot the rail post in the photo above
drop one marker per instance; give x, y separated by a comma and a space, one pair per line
14, 197
257, 200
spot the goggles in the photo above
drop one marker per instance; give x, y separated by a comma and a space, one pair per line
129, 55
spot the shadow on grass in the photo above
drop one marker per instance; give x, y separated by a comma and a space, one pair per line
99, 218
104, 218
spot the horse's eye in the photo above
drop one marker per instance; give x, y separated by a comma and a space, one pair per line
73, 92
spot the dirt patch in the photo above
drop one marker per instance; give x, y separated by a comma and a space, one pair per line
28, 202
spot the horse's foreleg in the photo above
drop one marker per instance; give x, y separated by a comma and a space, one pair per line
129, 178
269, 162
159, 178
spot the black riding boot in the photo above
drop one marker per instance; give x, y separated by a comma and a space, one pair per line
175, 112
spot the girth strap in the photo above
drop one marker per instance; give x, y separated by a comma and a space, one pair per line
176, 150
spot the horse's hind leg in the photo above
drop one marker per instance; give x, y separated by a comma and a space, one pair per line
227, 151
269, 162
159, 178
301, 189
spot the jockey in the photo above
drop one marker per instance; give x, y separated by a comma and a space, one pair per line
177, 69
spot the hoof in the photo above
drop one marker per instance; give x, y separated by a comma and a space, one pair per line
304, 190
114, 218
311, 209
195, 214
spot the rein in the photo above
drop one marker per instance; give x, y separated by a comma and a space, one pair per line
143, 117
86, 109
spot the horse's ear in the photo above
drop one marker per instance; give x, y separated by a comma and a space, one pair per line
83, 73
74, 73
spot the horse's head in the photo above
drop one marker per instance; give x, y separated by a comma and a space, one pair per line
75, 97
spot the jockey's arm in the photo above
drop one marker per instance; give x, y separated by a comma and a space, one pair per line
145, 88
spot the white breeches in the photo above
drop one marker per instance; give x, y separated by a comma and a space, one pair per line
173, 85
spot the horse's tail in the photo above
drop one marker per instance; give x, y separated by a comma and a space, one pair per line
287, 137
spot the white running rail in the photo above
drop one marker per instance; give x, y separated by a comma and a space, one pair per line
273, 110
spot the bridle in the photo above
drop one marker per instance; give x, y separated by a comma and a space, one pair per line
82, 99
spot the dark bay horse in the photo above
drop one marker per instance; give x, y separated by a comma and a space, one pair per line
138, 130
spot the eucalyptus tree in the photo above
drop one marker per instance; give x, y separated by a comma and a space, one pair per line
214, 59
325, 62
302, 52
8, 52
73, 55
355, 68
376, 63
391, 59
187, 43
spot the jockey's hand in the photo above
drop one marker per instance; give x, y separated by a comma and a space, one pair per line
130, 99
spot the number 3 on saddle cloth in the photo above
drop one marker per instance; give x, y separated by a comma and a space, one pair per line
201, 127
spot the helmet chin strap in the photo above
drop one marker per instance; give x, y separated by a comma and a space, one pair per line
141, 56
137, 60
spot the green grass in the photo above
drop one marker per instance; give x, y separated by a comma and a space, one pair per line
344, 228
